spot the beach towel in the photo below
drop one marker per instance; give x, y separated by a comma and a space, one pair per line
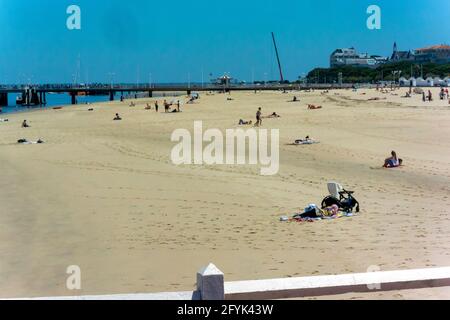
300, 218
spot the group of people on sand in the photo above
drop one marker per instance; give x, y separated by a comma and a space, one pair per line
259, 118
443, 95
167, 106
427, 97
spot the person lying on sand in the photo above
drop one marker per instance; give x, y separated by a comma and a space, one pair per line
25, 124
245, 123
117, 118
4, 120
25, 141
191, 100
148, 107
274, 115
306, 140
313, 107
393, 161
132, 104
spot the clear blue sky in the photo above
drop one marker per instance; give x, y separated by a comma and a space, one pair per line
172, 39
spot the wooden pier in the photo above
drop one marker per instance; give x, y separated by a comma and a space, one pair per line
36, 95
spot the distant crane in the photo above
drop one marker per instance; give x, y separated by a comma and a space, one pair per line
278, 58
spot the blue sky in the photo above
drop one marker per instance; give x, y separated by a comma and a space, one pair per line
175, 40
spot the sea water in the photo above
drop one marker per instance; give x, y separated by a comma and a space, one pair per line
53, 100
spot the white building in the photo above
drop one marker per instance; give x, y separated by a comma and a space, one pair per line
439, 82
403, 82
447, 81
412, 82
350, 57
421, 82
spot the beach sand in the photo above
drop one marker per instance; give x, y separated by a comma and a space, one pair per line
105, 195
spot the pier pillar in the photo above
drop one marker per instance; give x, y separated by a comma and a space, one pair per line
189, 92
34, 99
111, 96
74, 97
3, 99
150, 94
44, 101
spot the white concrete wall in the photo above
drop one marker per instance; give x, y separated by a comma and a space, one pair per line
211, 281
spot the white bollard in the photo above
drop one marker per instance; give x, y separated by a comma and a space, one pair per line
210, 283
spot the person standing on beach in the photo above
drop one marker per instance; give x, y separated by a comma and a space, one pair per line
156, 106
178, 105
259, 118
166, 106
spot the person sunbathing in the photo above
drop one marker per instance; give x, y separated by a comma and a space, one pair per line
117, 118
132, 104
245, 123
306, 140
148, 107
191, 100
393, 161
274, 115
313, 107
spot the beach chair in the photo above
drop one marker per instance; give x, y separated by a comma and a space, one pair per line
342, 198
334, 188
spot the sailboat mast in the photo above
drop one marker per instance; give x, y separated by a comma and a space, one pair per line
278, 58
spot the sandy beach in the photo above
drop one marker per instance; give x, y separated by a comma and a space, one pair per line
104, 195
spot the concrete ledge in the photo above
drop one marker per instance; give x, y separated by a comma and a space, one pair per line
211, 286
337, 284
187, 295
